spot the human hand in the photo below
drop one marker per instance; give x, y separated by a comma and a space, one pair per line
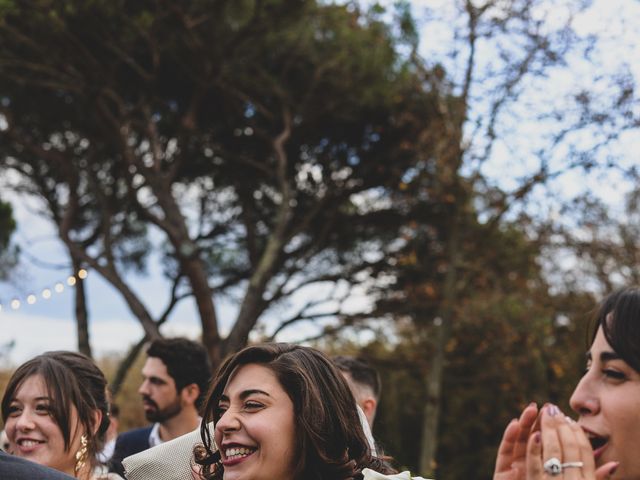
563, 443
511, 458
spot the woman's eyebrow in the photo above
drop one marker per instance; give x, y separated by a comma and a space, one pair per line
37, 399
606, 356
247, 393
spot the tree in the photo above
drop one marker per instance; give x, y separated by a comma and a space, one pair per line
597, 245
8, 252
242, 133
501, 56
507, 349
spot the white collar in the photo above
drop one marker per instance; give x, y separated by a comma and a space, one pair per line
154, 436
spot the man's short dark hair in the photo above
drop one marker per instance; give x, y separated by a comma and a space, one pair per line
187, 362
361, 372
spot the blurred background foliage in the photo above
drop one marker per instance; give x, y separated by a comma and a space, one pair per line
268, 150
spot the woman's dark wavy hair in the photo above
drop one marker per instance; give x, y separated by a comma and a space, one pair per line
330, 441
72, 380
619, 317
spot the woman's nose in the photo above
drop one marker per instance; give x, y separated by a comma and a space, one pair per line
584, 400
25, 421
228, 421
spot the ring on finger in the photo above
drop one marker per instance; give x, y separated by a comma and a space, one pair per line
553, 466
572, 465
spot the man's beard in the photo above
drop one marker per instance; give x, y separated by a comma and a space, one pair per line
162, 415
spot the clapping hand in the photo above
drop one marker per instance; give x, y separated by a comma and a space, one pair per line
561, 451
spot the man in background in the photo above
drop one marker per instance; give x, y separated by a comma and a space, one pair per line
364, 382
175, 376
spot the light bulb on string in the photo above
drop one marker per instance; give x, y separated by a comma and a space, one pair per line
47, 293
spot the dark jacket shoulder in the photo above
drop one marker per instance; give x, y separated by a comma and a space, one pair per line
138, 437
15, 468
129, 443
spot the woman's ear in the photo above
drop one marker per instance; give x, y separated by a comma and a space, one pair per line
97, 420
369, 406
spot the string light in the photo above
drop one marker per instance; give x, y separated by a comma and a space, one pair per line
47, 293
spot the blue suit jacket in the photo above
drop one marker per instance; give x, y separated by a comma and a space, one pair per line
129, 443
15, 468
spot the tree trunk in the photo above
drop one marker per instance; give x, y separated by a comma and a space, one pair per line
435, 376
195, 271
127, 362
174, 224
252, 304
108, 271
429, 444
82, 317
125, 365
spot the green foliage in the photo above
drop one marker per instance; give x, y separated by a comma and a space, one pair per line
7, 224
130, 113
7, 7
501, 307
508, 349
8, 252
489, 380
279, 143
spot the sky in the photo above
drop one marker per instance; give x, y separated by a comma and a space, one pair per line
48, 324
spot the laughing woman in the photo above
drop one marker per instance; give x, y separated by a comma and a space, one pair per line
55, 412
605, 440
283, 411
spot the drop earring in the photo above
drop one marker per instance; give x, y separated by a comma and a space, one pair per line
81, 454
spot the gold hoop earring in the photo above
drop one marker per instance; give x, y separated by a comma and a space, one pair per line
81, 454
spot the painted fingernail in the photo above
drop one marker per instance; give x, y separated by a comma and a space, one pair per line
613, 469
552, 410
532, 404
569, 419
